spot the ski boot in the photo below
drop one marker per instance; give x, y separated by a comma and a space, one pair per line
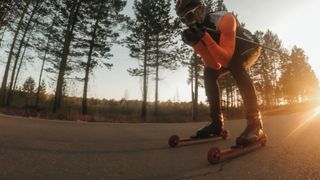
215, 128
253, 132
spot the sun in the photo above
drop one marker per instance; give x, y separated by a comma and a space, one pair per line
317, 98
312, 115
317, 110
317, 104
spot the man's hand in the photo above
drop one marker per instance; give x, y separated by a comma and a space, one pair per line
193, 34
198, 29
189, 37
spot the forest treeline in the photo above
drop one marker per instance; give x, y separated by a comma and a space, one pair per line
70, 39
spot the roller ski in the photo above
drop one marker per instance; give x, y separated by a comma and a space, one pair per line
252, 138
211, 131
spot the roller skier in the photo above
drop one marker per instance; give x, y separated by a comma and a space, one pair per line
222, 53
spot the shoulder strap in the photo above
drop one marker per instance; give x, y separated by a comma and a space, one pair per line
215, 17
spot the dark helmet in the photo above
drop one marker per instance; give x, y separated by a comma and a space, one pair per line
183, 6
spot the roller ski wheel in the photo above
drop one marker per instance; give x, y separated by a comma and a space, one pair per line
216, 155
173, 141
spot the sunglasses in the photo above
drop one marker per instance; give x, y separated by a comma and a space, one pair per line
189, 15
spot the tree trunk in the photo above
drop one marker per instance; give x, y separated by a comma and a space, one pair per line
234, 103
85, 87
228, 99
2, 35
196, 71
39, 84
144, 102
19, 51
19, 67
3, 90
192, 87
157, 80
66, 48
40, 76
42, 68
88, 65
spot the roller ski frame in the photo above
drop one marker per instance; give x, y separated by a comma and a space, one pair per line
216, 155
174, 140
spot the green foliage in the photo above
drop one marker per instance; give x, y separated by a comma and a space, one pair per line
95, 32
151, 30
298, 80
267, 70
42, 87
29, 85
138, 40
151, 40
216, 5
5, 6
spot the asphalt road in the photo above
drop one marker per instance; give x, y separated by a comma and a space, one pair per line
44, 149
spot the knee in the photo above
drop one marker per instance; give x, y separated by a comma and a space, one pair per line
240, 74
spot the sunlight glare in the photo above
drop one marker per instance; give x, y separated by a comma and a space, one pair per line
309, 118
317, 111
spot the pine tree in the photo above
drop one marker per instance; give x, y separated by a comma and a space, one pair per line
163, 35
97, 20
21, 62
70, 15
268, 67
3, 90
28, 28
29, 85
5, 6
139, 43
50, 38
41, 91
187, 57
298, 80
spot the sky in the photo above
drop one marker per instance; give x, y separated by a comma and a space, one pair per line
294, 21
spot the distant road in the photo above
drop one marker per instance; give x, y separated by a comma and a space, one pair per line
44, 149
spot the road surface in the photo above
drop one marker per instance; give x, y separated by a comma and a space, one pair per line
48, 149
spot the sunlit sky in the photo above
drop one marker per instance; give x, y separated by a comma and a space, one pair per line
294, 21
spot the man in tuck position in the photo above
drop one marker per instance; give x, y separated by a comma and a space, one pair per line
213, 38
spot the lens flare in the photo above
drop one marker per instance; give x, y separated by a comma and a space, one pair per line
317, 111
311, 116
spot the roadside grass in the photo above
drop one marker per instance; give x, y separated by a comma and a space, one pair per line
128, 111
